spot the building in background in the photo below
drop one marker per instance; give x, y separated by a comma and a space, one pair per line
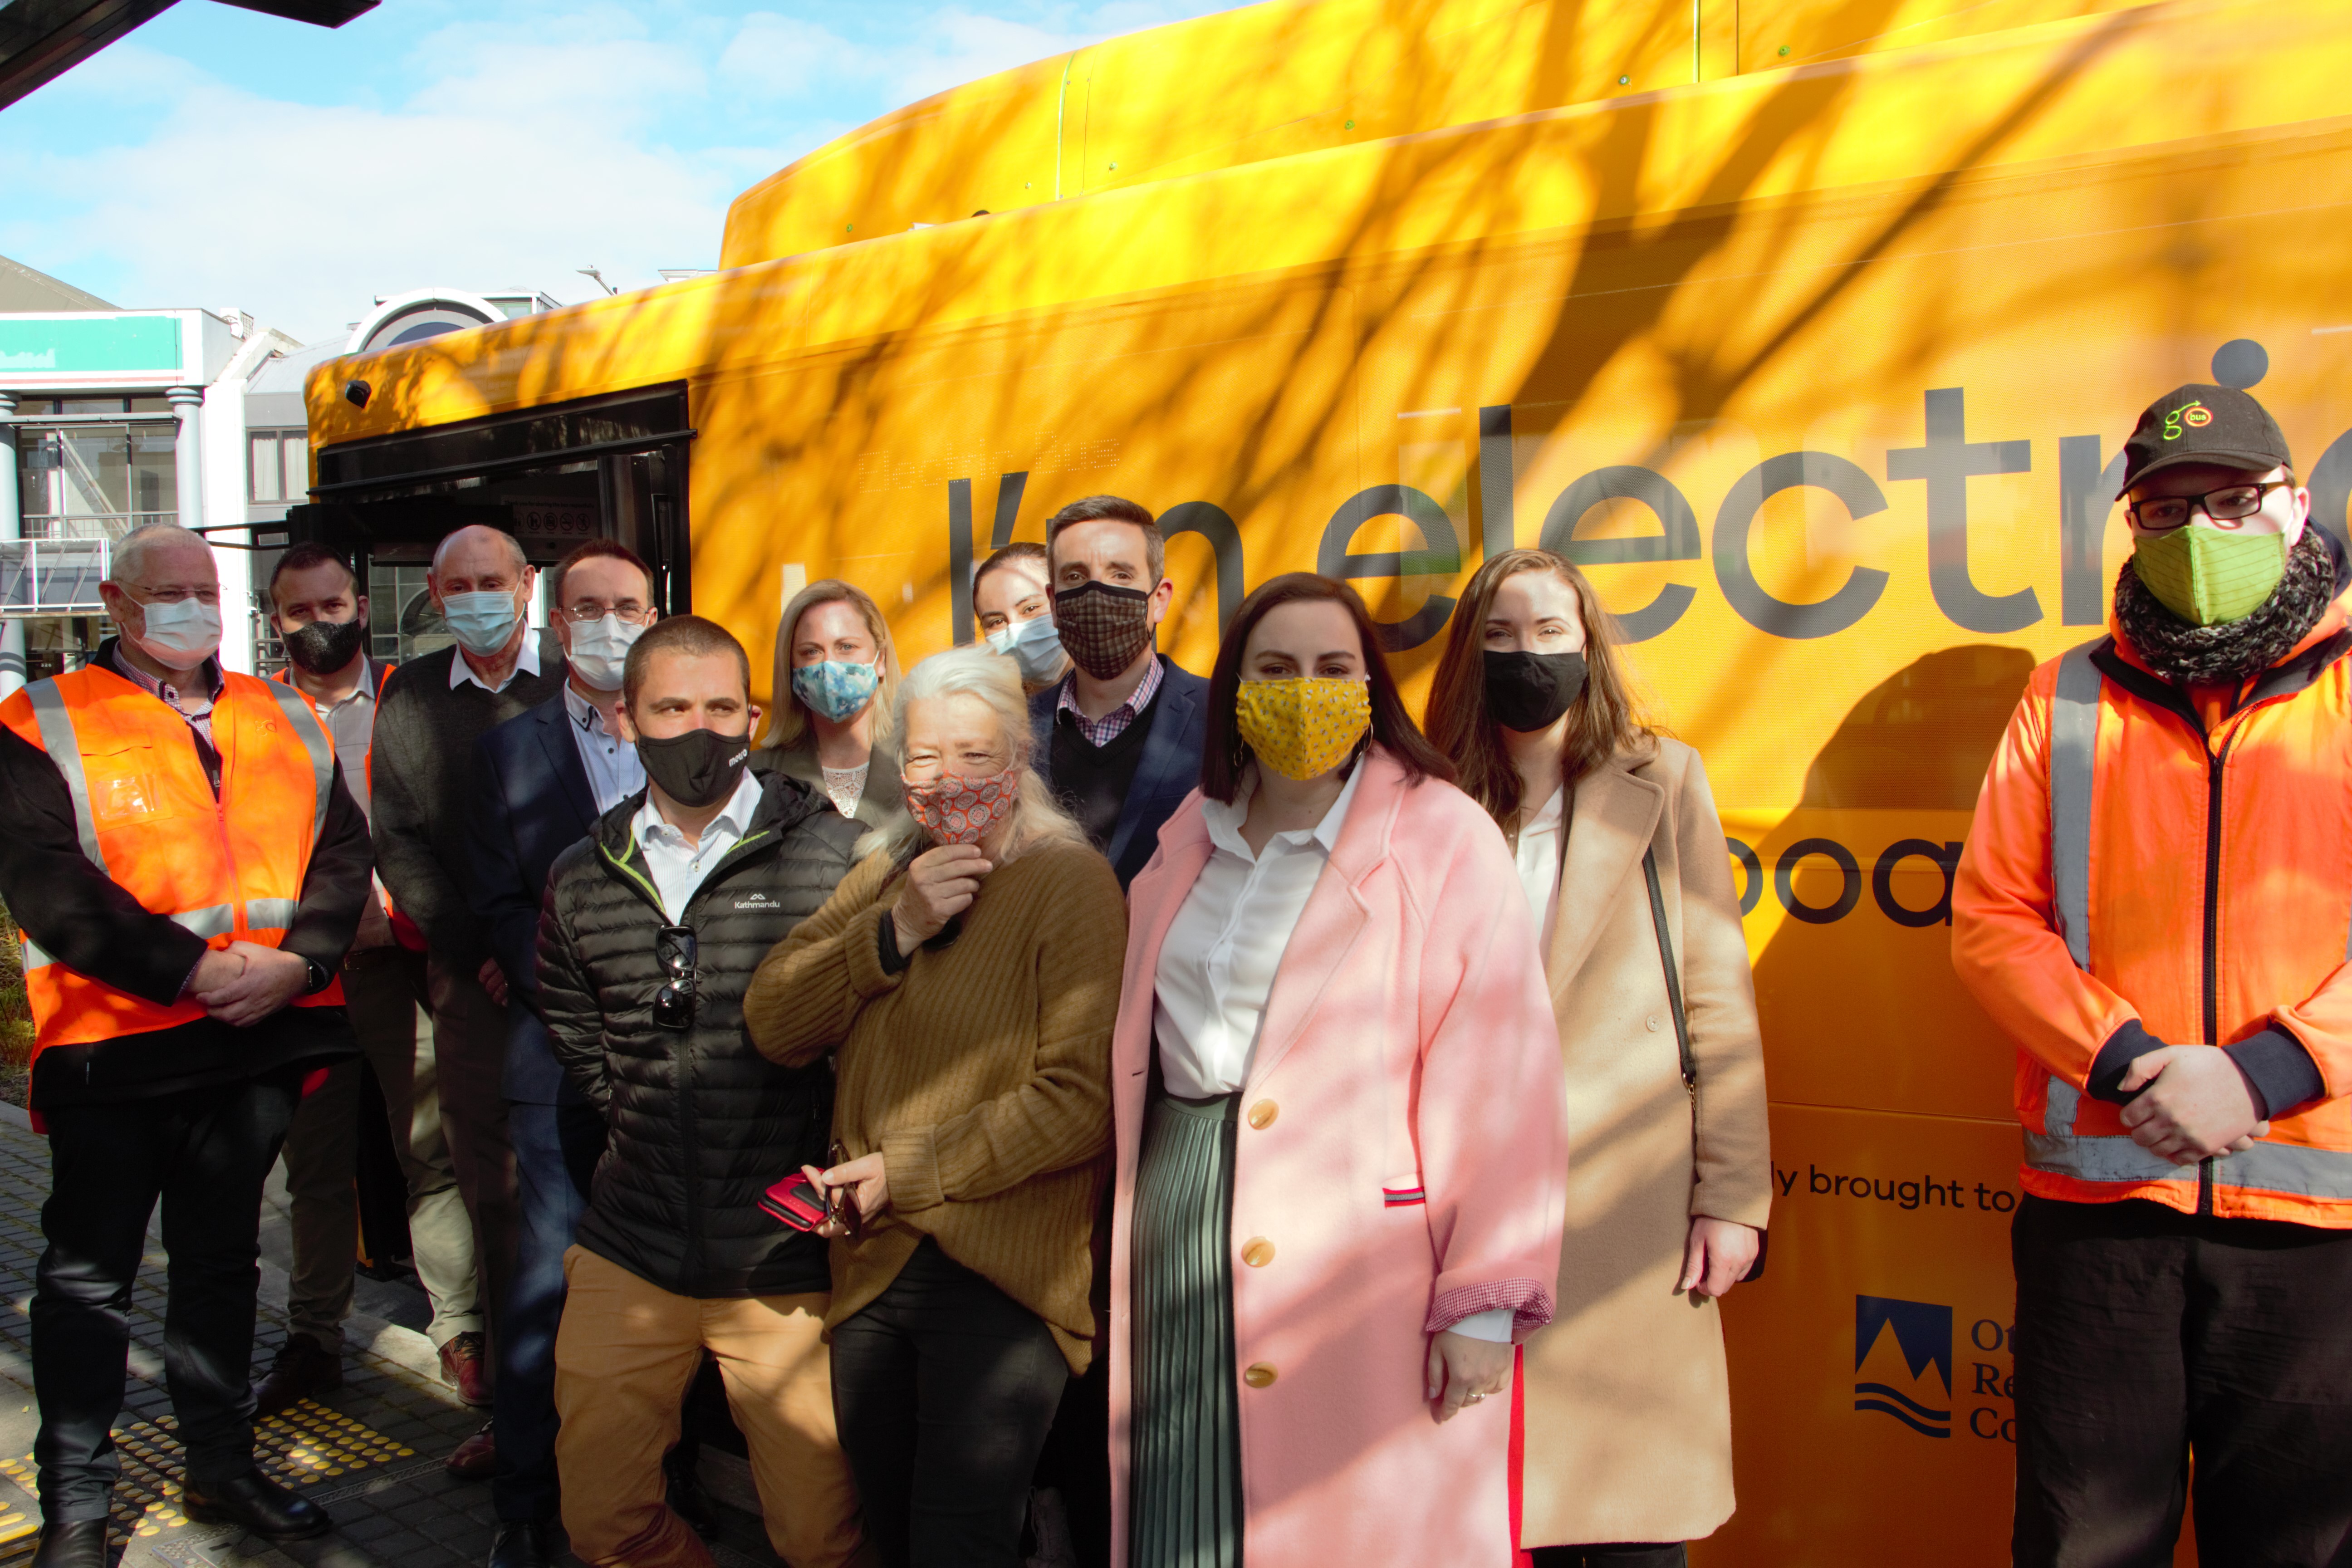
112, 418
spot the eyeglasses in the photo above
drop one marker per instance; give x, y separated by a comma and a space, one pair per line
588, 610
674, 947
174, 596
2157, 514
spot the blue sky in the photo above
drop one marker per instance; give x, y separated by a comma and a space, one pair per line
220, 157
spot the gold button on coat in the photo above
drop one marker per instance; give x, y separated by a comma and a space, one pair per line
1261, 1374
1257, 1252
1261, 1114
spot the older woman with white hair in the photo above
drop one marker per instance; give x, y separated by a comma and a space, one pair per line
966, 976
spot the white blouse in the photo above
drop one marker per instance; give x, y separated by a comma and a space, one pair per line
1219, 958
1218, 963
847, 787
1538, 859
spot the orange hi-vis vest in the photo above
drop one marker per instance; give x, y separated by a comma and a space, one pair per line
2140, 857
228, 870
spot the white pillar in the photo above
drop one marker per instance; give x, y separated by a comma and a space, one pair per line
12, 526
187, 459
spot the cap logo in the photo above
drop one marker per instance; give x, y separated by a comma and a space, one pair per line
2195, 415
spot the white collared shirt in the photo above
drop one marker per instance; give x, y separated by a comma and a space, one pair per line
615, 769
1538, 858
526, 663
1218, 963
677, 867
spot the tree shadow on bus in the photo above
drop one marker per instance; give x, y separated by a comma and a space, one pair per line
1855, 991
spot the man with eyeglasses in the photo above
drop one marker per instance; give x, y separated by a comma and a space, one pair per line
651, 932
541, 780
187, 871
2154, 906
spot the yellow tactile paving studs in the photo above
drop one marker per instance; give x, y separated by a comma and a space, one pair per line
296, 1448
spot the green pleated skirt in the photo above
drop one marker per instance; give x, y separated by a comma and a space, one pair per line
1186, 1483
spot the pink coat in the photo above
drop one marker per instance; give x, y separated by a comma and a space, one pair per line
1408, 1048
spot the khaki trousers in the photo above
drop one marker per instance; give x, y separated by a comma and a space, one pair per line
469, 1057
622, 1359
384, 990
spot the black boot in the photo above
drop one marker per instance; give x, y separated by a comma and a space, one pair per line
524, 1543
75, 1544
258, 1506
305, 1368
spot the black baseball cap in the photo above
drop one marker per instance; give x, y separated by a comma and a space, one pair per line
2200, 423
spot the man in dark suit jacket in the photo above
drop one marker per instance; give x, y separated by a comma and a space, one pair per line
541, 782
1119, 738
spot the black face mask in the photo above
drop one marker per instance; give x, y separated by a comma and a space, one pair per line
698, 768
1528, 692
323, 647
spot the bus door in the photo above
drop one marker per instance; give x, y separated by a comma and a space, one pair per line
611, 467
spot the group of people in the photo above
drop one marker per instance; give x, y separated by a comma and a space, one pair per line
1064, 1094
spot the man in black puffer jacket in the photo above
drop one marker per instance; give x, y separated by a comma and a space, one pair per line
651, 932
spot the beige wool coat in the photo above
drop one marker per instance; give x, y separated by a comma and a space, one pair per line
1628, 1403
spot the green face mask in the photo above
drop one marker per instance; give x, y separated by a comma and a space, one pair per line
2207, 576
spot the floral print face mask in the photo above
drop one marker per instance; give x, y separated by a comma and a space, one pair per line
836, 688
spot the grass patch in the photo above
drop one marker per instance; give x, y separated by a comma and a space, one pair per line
16, 1014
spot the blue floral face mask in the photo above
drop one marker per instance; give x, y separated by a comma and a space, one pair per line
836, 688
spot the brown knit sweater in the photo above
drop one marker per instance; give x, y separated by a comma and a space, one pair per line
981, 1071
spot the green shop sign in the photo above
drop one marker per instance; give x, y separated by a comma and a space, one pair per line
89, 345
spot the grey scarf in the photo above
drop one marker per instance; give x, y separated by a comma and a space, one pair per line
2235, 651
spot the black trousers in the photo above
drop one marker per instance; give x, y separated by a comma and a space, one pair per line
1618, 1554
205, 1153
943, 1388
2143, 1336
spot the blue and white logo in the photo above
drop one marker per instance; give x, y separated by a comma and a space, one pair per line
1921, 1333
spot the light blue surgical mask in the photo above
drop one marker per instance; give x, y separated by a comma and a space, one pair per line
835, 687
600, 650
481, 622
1034, 645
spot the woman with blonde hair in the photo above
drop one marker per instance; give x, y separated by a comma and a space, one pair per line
836, 677
1621, 854
966, 976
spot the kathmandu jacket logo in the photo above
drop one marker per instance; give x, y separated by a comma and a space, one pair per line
2195, 415
758, 902
1923, 1338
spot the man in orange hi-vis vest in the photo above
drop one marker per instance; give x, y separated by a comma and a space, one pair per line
187, 871
2155, 905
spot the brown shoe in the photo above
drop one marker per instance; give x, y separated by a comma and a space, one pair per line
464, 1369
305, 1368
476, 1458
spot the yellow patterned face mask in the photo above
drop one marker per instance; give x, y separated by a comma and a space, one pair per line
1303, 729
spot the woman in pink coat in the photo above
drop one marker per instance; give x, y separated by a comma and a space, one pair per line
1335, 1089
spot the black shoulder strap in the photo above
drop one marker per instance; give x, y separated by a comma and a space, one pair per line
1667, 957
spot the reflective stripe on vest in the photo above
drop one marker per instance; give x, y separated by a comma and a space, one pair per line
2058, 1149
58, 738
300, 714
218, 920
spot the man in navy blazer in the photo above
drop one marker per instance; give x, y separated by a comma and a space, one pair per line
1119, 738
541, 780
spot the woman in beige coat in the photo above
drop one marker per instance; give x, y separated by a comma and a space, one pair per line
1627, 1402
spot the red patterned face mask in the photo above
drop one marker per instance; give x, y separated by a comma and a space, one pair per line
959, 810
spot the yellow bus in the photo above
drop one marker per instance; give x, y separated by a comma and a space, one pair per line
1813, 328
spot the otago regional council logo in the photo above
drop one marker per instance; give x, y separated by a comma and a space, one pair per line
1921, 1332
